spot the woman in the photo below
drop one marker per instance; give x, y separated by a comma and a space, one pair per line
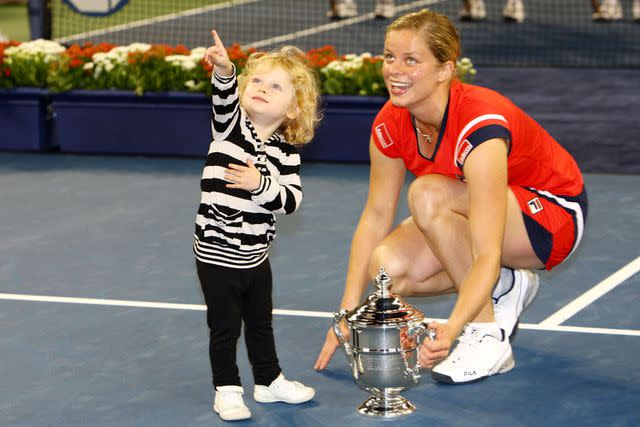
494, 195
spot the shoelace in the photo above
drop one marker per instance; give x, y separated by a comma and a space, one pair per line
467, 338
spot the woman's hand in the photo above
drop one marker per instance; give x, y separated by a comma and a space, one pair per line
244, 177
434, 351
331, 343
216, 56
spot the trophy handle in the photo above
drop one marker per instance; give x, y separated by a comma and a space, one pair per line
418, 331
337, 318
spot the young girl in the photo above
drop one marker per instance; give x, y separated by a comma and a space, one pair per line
251, 173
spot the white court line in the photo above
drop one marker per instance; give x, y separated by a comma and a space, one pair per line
282, 312
334, 25
143, 304
592, 294
154, 20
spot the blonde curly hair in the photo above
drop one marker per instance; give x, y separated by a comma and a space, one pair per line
300, 130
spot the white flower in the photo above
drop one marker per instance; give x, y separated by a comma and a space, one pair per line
45, 50
198, 51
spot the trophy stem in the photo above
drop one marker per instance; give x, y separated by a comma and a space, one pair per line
386, 404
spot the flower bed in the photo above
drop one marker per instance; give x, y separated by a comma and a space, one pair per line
148, 99
141, 68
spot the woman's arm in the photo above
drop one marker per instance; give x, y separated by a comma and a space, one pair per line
486, 173
385, 185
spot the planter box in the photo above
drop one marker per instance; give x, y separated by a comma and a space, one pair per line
122, 122
178, 124
23, 120
345, 130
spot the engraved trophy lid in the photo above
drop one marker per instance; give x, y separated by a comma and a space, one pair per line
384, 308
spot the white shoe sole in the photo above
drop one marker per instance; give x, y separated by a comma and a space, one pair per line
260, 398
232, 418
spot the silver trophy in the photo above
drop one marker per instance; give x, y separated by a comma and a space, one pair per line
383, 348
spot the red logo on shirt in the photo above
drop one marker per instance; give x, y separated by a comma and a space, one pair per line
463, 151
383, 135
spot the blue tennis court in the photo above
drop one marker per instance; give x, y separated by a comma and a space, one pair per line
103, 322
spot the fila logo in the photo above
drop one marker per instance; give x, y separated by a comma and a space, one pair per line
535, 206
383, 135
463, 151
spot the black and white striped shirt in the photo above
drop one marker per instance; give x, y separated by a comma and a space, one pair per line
235, 227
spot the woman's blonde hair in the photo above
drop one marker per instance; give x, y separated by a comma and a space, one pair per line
436, 31
300, 130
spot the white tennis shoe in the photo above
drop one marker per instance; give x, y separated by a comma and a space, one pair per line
385, 9
609, 10
229, 404
283, 390
343, 9
513, 11
476, 12
482, 350
514, 292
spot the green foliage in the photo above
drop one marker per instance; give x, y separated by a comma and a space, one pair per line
160, 68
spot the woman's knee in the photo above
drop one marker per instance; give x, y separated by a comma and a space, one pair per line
430, 196
394, 266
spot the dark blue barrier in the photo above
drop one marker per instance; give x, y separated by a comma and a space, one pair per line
179, 124
24, 120
343, 134
171, 124
122, 122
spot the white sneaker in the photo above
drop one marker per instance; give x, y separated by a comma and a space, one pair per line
229, 405
609, 10
385, 9
283, 390
482, 350
343, 9
513, 11
515, 291
476, 11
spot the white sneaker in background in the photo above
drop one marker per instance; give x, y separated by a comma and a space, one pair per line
476, 11
283, 390
228, 403
513, 11
343, 9
609, 10
385, 9
514, 292
482, 350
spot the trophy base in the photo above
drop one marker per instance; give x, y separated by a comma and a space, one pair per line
386, 406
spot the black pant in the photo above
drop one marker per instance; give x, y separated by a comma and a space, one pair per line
232, 296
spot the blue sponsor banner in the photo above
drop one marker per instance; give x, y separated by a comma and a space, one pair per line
96, 7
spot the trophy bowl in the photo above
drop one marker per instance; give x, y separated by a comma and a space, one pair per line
382, 349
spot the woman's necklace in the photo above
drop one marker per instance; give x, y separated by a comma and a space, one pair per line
425, 136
